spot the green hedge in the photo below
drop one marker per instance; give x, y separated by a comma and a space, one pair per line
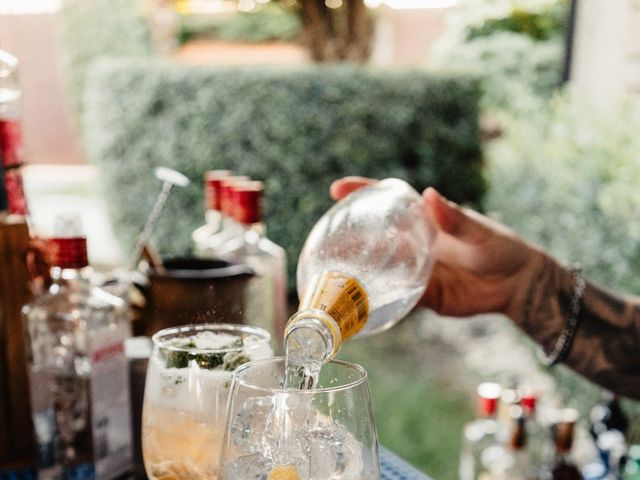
296, 129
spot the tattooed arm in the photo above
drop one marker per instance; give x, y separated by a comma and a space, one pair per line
606, 346
484, 267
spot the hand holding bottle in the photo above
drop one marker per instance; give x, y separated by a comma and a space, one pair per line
481, 265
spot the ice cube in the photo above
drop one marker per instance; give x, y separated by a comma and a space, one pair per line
248, 426
247, 467
333, 452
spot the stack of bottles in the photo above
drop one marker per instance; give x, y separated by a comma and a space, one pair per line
234, 231
510, 439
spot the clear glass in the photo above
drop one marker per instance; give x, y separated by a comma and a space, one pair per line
327, 432
186, 392
381, 236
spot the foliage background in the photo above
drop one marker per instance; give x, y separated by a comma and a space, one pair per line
295, 129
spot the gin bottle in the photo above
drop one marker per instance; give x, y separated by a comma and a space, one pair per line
562, 466
77, 369
363, 267
266, 295
213, 212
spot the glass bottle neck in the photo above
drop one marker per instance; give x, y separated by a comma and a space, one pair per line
313, 333
70, 276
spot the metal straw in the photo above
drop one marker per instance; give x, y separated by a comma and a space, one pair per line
169, 178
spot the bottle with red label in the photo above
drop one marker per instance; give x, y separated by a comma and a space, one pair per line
266, 297
77, 368
11, 146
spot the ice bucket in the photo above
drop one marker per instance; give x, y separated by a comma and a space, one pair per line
194, 290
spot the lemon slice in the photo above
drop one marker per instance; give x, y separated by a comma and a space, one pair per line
284, 472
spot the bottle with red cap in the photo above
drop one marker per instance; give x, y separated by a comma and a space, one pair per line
266, 298
77, 368
539, 440
213, 213
11, 147
562, 466
210, 239
509, 461
481, 433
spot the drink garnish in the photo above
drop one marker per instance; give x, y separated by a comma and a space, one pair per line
284, 472
181, 354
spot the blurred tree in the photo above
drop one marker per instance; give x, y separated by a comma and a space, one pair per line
335, 30
332, 30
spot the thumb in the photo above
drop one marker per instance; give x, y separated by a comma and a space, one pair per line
344, 186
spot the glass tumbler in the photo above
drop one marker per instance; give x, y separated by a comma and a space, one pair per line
327, 432
186, 391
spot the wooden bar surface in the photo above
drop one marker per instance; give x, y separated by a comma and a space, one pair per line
14, 293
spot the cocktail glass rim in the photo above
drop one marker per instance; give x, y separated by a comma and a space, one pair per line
359, 369
159, 340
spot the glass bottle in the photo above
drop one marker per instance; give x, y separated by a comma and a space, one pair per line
562, 467
11, 145
509, 461
538, 438
480, 433
607, 415
213, 214
215, 245
632, 468
266, 295
77, 368
363, 267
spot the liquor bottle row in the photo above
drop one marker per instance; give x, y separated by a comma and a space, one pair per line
512, 439
234, 231
76, 333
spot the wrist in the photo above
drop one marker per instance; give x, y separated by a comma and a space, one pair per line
543, 299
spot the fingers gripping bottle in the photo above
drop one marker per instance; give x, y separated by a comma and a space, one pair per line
363, 267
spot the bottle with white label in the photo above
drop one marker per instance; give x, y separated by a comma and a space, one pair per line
363, 267
78, 370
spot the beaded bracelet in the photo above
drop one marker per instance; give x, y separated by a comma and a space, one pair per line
568, 333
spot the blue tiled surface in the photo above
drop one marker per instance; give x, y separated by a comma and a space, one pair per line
392, 467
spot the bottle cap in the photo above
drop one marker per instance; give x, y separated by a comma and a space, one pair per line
247, 202
68, 245
226, 192
212, 182
488, 395
528, 402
